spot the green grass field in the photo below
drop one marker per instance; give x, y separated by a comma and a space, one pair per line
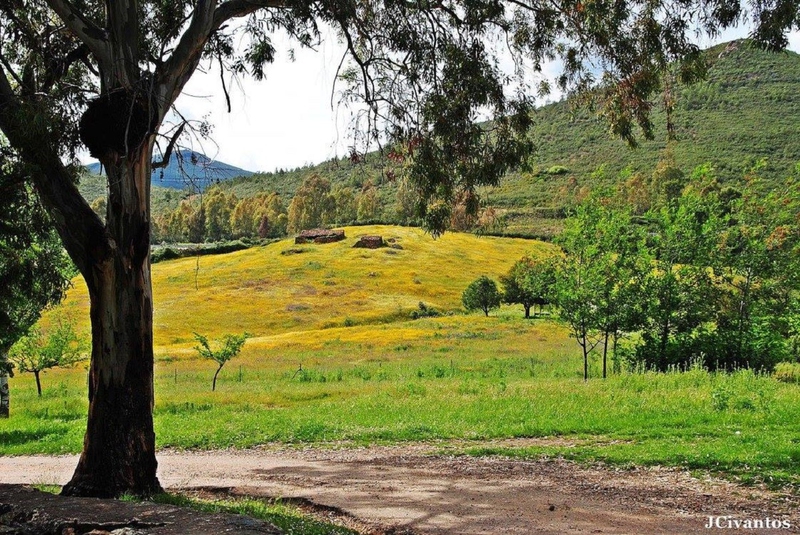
306, 378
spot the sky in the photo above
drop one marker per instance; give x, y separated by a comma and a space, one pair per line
289, 119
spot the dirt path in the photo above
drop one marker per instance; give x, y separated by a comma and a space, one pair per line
411, 490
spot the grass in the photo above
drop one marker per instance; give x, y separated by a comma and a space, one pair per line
462, 377
321, 287
305, 378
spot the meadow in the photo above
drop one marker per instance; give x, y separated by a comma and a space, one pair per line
343, 364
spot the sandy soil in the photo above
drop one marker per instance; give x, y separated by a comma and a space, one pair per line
412, 489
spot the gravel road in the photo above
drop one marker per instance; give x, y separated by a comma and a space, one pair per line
414, 489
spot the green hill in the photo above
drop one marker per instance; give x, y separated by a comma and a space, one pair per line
281, 288
746, 110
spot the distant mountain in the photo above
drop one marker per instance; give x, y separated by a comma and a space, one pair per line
189, 170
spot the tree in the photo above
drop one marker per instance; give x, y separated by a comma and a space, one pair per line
231, 345
217, 207
33, 267
406, 202
311, 205
759, 269
424, 69
529, 282
367, 203
481, 294
346, 207
680, 293
598, 284
60, 348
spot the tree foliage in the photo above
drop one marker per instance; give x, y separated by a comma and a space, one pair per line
59, 347
34, 270
481, 294
230, 346
530, 282
707, 276
312, 205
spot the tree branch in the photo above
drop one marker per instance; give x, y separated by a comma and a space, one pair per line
168, 153
206, 19
240, 8
90, 34
81, 230
123, 23
177, 70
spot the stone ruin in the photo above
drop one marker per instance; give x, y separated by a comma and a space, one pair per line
319, 235
370, 242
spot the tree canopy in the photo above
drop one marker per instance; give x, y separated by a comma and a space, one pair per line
481, 294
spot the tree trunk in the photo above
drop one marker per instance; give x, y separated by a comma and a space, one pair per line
119, 446
214, 382
4, 396
38, 382
527, 311
605, 353
585, 358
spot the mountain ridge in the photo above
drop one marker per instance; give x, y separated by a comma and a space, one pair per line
188, 169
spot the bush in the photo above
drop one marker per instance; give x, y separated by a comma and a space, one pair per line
167, 253
424, 311
787, 372
557, 170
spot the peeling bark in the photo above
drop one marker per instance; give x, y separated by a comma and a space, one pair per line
119, 445
4, 396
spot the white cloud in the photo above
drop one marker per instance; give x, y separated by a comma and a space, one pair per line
284, 121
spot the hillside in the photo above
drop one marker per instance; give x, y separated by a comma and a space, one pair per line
746, 110
283, 287
189, 170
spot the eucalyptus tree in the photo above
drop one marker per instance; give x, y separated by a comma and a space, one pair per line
106, 73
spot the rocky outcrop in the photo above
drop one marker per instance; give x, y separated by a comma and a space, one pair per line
370, 242
319, 235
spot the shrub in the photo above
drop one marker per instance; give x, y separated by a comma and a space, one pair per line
557, 170
424, 311
787, 372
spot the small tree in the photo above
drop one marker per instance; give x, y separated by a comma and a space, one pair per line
482, 294
60, 348
231, 346
529, 282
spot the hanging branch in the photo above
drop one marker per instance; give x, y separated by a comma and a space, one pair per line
168, 153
